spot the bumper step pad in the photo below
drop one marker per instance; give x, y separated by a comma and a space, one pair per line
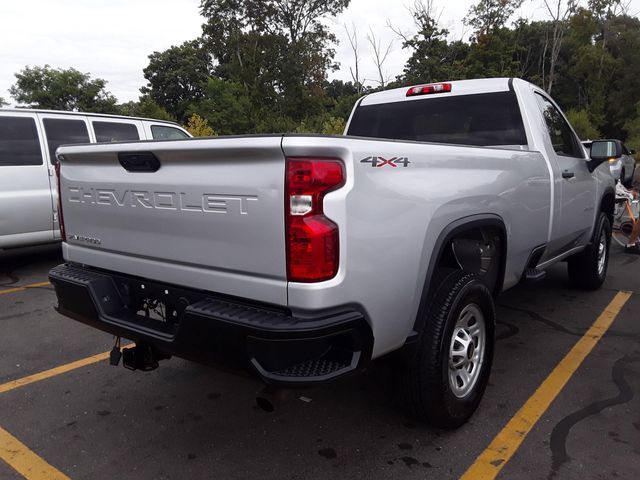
280, 347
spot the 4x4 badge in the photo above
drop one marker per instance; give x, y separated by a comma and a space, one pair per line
378, 162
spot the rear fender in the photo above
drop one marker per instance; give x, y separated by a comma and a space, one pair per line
443, 254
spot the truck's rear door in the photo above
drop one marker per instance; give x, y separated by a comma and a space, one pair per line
209, 215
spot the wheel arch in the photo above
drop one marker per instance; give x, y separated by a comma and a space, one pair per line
607, 204
442, 249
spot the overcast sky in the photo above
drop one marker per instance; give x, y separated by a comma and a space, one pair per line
111, 39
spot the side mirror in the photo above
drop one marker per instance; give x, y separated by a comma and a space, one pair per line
602, 151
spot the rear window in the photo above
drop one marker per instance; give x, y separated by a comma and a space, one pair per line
115, 132
61, 131
19, 144
485, 119
160, 132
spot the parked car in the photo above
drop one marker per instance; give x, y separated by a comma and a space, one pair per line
622, 168
28, 140
302, 257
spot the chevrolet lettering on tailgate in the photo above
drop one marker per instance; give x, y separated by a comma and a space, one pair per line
206, 202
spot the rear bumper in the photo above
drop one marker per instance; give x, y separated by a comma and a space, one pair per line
272, 343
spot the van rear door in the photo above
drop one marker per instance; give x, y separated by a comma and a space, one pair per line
61, 129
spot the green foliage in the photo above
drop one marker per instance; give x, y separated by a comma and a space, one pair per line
199, 127
177, 76
3, 102
333, 126
633, 128
596, 72
487, 16
432, 58
145, 108
60, 89
278, 51
226, 107
261, 66
582, 124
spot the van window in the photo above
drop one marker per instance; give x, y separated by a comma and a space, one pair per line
485, 119
62, 131
115, 132
161, 132
19, 143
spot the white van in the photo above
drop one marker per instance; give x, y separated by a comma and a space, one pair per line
28, 141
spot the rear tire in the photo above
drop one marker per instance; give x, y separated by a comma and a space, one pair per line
444, 380
588, 269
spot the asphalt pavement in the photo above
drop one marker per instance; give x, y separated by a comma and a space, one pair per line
185, 420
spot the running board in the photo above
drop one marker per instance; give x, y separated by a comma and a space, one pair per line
532, 275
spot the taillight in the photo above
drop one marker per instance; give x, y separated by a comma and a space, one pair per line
313, 251
60, 217
427, 89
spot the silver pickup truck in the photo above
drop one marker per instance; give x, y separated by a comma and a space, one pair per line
301, 258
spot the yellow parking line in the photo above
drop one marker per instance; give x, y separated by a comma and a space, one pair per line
504, 445
24, 461
23, 288
21, 382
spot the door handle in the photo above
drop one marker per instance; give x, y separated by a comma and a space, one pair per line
568, 174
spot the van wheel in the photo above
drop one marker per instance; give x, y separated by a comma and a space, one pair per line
588, 269
444, 380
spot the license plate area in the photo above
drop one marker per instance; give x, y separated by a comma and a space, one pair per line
153, 305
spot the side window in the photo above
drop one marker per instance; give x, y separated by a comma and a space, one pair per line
161, 132
61, 131
563, 140
115, 132
19, 143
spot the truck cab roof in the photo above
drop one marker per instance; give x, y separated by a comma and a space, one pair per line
458, 87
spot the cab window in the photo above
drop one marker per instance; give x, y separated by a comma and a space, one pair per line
486, 119
162, 132
564, 141
62, 131
115, 132
19, 143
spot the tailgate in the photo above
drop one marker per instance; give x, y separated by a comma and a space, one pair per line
211, 217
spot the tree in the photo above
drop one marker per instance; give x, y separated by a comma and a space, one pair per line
199, 127
493, 52
60, 89
177, 76
623, 93
333, 126
560, 11
146, 108
278, 50
433, 58
341, 97
582, 124
355, 70
487, 16
3, 102
380, 55
633, 127
226, 108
